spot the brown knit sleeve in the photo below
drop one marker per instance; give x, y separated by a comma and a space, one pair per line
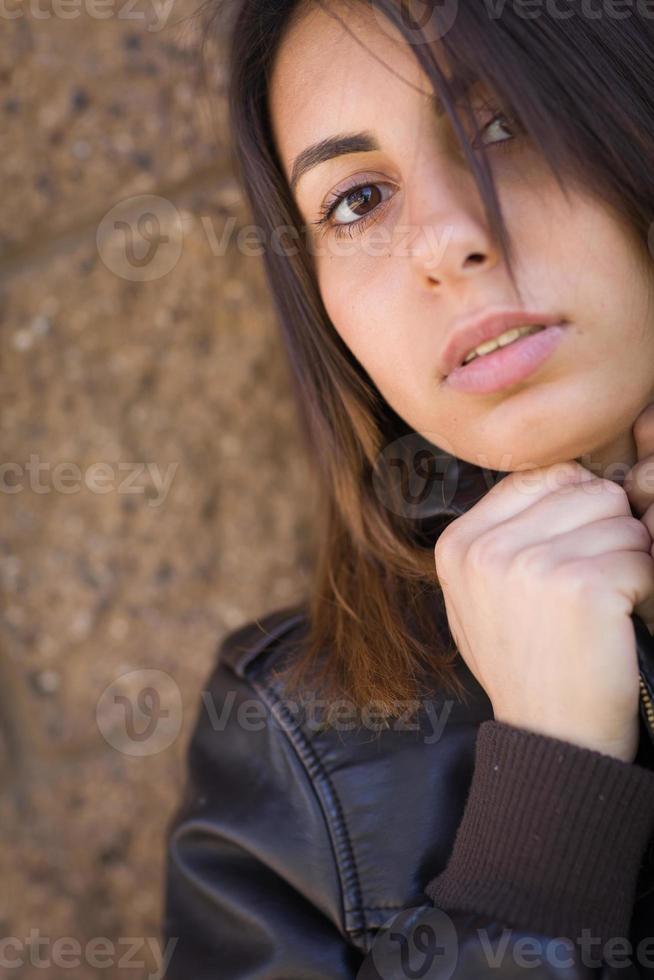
552, 836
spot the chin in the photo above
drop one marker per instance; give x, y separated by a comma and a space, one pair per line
508, 460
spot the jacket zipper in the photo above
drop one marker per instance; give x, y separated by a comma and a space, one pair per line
648, 704
645, 651
647, 865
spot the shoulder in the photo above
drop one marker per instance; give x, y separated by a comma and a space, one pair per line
236, 703
236, 726
263, 641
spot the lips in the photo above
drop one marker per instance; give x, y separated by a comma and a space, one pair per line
472, 331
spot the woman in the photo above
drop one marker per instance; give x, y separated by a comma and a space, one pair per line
438, 180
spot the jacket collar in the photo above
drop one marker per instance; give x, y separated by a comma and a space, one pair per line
470, 484
458, 487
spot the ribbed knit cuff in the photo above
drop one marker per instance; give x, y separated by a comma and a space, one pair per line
551, 838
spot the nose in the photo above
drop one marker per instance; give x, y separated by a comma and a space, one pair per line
451, 247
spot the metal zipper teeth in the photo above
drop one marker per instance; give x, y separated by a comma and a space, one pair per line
649, 705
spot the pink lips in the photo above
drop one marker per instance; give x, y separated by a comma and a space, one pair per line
507, 365
472, 330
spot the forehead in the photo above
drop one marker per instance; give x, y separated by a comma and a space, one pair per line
336, 66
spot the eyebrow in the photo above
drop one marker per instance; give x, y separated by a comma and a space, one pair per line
335, 146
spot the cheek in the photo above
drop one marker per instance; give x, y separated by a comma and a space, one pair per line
365, 309
357, 294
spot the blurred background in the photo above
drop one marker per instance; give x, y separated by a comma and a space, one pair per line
153, 486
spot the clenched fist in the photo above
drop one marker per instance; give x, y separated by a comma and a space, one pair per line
540, 579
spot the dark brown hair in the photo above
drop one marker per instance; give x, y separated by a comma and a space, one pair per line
582, 89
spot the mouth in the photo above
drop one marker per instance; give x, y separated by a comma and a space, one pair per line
502, 340
506, 359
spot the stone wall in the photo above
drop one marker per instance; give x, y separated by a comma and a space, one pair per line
153, 490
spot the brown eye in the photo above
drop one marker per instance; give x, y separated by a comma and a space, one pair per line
357, 202
351, 210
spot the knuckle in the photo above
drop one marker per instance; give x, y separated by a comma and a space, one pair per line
620, 496
447, 545
574, 580
533, 561
488, 551
570, 468
569, 474
580, 488
643, 426
593, 487
640, 530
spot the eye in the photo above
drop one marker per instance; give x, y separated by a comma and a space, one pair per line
495, 126
354, 207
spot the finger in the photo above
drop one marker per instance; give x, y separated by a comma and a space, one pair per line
643, 432
639, 481
645, 610
631, 573
639, 485
519, 490
536, 512
612, 534
648, 520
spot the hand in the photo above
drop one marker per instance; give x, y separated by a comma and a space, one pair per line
639, 487
540, 578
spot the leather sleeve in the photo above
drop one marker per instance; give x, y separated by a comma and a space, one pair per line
252, 889
551, 842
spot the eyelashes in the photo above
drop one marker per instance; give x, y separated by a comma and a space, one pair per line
350, 228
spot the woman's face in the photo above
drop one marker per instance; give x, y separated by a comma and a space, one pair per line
396, 283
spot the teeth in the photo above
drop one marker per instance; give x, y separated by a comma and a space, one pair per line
504, 338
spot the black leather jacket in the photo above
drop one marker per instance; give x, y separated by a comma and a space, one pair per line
301, 854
